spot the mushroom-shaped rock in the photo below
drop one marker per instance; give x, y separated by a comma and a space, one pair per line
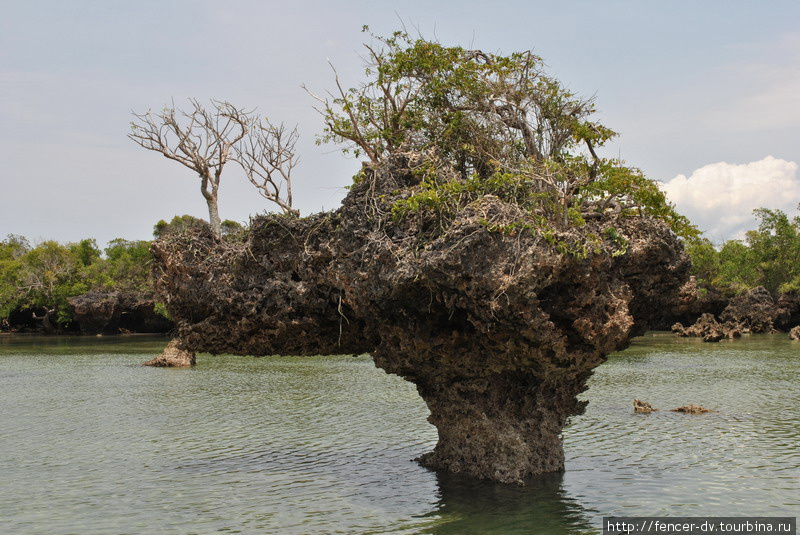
497, 321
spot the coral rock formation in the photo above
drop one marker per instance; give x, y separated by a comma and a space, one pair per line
643, 407
114, 312
498, 329
692, 409
173, 357
709, 329
755, 311
788, 304
691, 303
794, 334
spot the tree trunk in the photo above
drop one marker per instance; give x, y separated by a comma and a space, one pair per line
47, 320
213, 216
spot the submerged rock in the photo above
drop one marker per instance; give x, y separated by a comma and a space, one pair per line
643, 407
498, 326
794, 334
173, 357
692, 409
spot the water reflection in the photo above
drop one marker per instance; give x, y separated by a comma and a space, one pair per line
36, 344
466, 506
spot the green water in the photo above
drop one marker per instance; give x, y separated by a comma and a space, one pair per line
93, 443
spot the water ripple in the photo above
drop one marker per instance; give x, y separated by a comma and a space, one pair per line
93, 444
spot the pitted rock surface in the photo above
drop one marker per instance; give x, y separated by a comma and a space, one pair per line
499, 331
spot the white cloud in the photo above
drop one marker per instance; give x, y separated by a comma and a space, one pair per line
720, 197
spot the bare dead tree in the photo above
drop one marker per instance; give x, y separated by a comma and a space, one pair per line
267, 156
199, 139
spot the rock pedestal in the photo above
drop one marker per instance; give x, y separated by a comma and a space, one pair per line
497, 324
505, 428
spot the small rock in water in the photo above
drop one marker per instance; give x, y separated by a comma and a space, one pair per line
691, 409
642, 406
709, 329
794, 334
172, 357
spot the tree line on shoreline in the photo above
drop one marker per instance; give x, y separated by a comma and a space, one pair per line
37, 282
768, 256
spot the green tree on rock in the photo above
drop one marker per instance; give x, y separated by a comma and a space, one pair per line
489, 117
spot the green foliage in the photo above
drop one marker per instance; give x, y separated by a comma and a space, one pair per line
736, 268
705, 260
769, 256
499, 123
85, 252
13, 247
447, 197
178, 224
44, 277
11, 250
126, 268
474, 107
627, 189
161, 310
776, 246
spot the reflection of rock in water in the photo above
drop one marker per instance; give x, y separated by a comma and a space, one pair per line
472, 506
498, 329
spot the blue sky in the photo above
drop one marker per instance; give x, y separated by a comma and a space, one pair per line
706, 96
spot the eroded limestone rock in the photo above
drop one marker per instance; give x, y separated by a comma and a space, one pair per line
498, 327
643, 407
689, 304
115, 312
755, 311
692, 409
709, 329
173, 357
794, 334
789, 305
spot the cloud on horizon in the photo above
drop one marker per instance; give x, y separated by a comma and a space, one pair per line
720, 197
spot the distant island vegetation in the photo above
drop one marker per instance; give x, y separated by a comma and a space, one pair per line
39, 283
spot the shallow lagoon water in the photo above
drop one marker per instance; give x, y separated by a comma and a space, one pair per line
93, 443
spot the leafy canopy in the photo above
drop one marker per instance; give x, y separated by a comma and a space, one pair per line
768, 256
44, 277
485, 116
